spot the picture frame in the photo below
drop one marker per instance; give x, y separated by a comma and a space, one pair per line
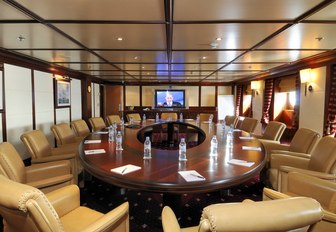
62, 93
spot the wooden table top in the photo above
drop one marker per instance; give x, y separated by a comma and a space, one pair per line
160, 174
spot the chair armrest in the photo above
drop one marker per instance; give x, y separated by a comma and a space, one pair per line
277, 160
169, 220
116, 218
64, 199
53, 158
329, 216
292, 153
273, 145
47, 170
270, 194
321, 175
67, 149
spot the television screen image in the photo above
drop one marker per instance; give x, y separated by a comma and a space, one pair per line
169, 98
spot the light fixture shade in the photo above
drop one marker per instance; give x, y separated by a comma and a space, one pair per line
255, 85
305, 75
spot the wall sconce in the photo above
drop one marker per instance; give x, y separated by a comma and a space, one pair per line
306, 78
255, 86
61, 78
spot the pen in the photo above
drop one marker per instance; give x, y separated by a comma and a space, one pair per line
201, 177
123, 170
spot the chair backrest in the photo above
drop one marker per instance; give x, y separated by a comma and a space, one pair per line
63, 134
231, 120
166, 116
80, 128
323, 157
11, 164
304, 140
135, 116
248, 124
27, 209
97, 123
278, 215
36, 143
110, 119
205, 117
274, 131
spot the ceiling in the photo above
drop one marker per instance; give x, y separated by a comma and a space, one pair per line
168, 40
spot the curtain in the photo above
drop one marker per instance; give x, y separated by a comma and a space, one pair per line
330, 124
238, 99
268, 95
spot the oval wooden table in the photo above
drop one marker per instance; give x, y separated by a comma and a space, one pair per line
160, 174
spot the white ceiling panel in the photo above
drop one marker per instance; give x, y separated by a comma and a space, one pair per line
134, 56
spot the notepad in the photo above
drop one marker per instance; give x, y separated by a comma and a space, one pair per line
94, 151
191, 176
240, 162
251, 148
126, 169
206, 122
246, 137
236, 130
100, 132
92, 141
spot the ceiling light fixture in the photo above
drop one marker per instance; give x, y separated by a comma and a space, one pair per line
319, 38
204, 57
20, 38
135, 57
218, 38
119, 38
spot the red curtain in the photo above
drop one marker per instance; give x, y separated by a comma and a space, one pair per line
238, 99
330, 124
268, 96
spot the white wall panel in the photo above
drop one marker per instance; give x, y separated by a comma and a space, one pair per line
1, 138
225, 90
192, 95
63, 115
132, 96
76, 99
208, 96
18, 105
95, 100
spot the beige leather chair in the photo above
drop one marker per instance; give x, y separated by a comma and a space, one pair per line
64, 134
321, 163
166, 116
248, 125
26, 209
80, 128
135, 116
231, 120
273, 131
110, 119
204, 117
40, 151
97, 124
299, 184
281, 215
47, 176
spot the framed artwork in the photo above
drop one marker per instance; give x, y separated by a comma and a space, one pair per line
62, 93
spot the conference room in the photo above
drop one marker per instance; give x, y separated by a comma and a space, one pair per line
167, 115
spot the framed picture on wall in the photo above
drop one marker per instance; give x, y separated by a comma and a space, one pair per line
62, 93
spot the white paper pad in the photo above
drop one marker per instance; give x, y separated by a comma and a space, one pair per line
100, 132
206, 122
251, 148
241, 162
191, 176
94, 151
236, 130
92, 141
246, 137
125, 169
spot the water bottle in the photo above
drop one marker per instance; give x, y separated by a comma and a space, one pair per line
210, 119
119, 141
181, 117
111, 134
144, 117
157, 119
182, 150
122, 123
115, 125
198, 120
131, 120
214, 146
147, 149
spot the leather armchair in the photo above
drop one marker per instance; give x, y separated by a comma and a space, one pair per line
280, 215
110, 119
321, 163
80, 128
64, 134
25, 208
299, 184
248, 124
135, 116
97, 124
40, 151
204, 117
46, 177
231, 120
166, 116
273, 131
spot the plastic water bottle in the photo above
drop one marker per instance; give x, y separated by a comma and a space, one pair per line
198, 120
210, 119
122, 123
144, 117
214, 144
182, 150
119, 141
115, 124
181, 117
111, 134
157, 119
147, 149
131, 120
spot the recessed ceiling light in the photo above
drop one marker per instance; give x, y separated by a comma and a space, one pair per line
218, 38
20, 38
135, 57
319, 38
204, 57
119, 38
143, 67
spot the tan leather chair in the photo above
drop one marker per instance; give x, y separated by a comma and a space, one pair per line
80, 128
204, 117
97, 124
64, 134
166, 116
47, 176
40, 151
273, 131
135, 116
321, 163
231, 120
299, 184
281, 215
110, 119
25, 208
248, 125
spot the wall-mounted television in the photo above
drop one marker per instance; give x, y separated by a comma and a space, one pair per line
169, 98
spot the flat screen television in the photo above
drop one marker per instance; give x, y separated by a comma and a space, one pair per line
171, 98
